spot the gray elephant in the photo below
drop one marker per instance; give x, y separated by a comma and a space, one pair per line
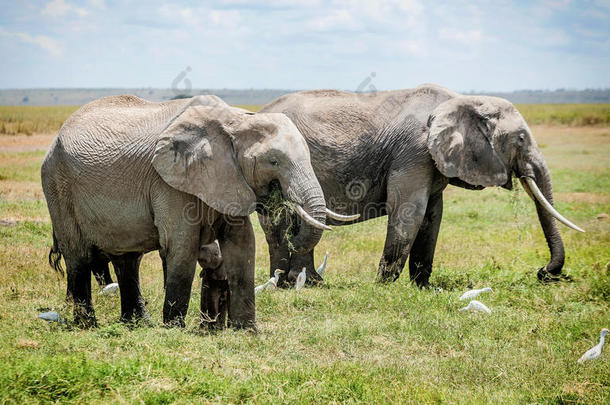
393, 153
215, 292
126, 176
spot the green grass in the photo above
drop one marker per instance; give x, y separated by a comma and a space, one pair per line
33, 119
351, 340
44, 119
566, 114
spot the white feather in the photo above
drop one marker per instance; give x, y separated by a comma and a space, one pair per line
51, 316
320, 270
110, 289
476, 306
271, 284
468, 295
596, 351
300, 279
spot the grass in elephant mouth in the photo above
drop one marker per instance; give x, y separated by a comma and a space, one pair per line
278, 208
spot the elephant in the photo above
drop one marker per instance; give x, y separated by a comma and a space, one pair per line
394, 152
126, 176
214, 286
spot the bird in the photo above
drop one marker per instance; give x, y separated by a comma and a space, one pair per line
468, 295
300, 279
596, 350
476, 306
110, 289
276, 277
271, 283
320, 270
51, 316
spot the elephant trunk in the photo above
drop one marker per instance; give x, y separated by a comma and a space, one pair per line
303, 189
537, 184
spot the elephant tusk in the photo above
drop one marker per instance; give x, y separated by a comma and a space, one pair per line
339, 217
310, 220
535, 193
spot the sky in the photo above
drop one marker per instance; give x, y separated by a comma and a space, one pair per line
286, 44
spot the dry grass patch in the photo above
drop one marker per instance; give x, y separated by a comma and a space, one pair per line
26, 143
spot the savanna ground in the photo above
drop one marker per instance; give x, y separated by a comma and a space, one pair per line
351, 340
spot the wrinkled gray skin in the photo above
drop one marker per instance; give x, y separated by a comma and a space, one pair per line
393, 153
126, 176
215, 294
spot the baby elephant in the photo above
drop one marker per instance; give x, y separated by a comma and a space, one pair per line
215, 291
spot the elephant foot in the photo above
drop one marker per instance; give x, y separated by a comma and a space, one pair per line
173, 318
84, 317
139, 319
247, 325
174, 323
211, 325
313, 279
388, 274
545, 276
422, 282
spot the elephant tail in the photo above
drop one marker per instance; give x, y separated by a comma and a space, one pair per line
55, 256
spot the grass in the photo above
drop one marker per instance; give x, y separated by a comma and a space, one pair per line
566, 114
33, 119
350, 340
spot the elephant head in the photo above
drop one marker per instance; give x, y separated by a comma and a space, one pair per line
479, 141
230, 159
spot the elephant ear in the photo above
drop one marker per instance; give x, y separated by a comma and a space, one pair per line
195, 154
460, 141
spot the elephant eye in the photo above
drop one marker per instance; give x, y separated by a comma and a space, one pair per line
521, 137
273, 161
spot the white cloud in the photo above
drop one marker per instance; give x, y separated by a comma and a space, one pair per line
335, 20
59, 8
98, 4
47, 43
467, 37
413, 47
56, 8
201, 17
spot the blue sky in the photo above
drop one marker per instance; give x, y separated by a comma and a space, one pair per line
464, 45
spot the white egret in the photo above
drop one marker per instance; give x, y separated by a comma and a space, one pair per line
300, 279
476, 306
51, 316
468, 295
110, 289
596, 350
320, 270
271, 284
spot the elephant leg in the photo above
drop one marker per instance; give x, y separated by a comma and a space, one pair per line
279, 253
237, 245
128, 274
422, 252
297, 262
181, 268
79, 287
406, 207
214, 302
101, 271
